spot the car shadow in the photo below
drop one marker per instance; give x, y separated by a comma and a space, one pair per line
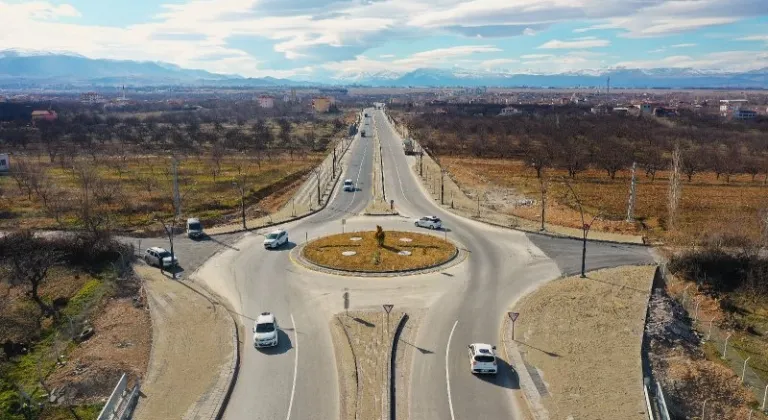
283, 344
506, 375
444, 229
207, 238
285, 247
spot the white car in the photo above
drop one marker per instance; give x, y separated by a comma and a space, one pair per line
265, 331
349, 185
431, 222
194, 228
276, 239
482, 358
160, 257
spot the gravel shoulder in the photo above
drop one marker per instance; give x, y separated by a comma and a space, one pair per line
584, 358
192, 350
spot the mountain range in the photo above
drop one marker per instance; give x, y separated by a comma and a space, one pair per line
52, 69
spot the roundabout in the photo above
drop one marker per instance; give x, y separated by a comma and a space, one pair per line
372, 254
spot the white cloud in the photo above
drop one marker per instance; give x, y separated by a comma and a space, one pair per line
536, 56
497, 63
430, 58
387, 56
577, 43
727, 60
682, 45
763, 38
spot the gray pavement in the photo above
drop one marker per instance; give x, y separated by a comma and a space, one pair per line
463, 304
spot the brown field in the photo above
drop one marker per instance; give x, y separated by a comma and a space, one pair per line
708, 205
426, 251
136, 189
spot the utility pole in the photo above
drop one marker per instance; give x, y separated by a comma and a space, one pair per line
319, 198
241, 187
169, 232
421, 162
176, 195
442, 186
632, 188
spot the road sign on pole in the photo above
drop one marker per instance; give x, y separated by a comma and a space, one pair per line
343, 222
513, 317
346, 302
388, 308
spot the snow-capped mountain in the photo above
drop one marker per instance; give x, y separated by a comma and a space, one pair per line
620, 78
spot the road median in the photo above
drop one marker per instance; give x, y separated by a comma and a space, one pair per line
363, 343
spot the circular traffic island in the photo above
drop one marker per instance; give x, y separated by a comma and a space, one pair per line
360, 252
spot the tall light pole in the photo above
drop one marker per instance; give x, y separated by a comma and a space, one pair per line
442, 186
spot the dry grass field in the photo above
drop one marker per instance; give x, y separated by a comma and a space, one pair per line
588, 350
707, 205
132, 190
426, 251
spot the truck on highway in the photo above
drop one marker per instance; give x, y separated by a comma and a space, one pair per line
408, 146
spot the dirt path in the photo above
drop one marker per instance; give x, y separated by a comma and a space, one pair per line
193, 351
583, 359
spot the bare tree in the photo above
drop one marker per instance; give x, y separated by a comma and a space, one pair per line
674, 187
576, 199
29, 260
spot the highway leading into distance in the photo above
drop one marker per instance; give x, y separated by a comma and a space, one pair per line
465, 304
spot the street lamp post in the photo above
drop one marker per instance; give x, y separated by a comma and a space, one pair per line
585, 229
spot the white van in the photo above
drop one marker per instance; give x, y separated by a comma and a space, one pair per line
194, 228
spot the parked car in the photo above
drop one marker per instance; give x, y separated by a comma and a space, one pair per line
265, 331
349, 185
482, 358
431, 222
194, 228
276, 239
160, 257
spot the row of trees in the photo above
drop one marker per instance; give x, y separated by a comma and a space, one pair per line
575, 143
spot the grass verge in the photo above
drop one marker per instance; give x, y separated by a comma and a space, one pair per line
425, 251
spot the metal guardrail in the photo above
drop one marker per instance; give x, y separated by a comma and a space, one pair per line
121, 402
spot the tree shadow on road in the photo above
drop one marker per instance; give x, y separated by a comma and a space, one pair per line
207, 237
364, 322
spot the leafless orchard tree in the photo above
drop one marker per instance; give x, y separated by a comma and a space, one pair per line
674, 187
578, 202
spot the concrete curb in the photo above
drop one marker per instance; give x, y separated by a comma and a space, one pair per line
297, 256
532, 398
392, 403
234, 369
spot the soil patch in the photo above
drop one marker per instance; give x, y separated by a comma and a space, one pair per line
587, 351
426, 251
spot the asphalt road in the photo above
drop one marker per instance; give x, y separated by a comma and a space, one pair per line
461, 305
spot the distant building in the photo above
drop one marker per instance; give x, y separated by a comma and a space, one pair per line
660, 111
729, 106
621, 110
599, 110
646, 109
5, 163
46, 115
744, 114
509, 111
90, 97
266, 101
322, 104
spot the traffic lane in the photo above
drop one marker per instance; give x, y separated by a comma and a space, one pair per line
567, 252
267, 373
360, 171
191, 253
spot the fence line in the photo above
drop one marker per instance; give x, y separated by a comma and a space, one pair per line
721, 338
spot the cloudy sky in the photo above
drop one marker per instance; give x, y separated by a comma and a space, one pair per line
306, 38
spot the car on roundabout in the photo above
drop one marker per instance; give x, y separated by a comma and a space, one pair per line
349, 185
482, 358
275, 239
265, 331
429, 222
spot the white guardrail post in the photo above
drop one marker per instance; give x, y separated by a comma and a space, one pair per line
120, 404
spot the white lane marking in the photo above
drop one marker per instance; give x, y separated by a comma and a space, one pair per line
357, 180
447, 375
295, 367
397, 171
